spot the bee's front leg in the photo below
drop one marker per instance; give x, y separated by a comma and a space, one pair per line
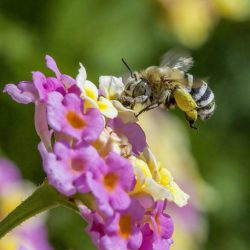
141, 99
127, 101
147, 108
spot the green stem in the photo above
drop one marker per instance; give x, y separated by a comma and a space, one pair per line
43, 198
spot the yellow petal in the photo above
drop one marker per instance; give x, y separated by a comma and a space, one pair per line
165, 177
143, 166
89, 103
91, 90
106, 107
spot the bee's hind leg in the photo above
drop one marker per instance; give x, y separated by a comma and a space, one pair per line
191, 126
147, 108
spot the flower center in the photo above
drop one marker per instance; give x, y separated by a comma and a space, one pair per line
90, 93
77, 164
110, 181
75, 120
125, 226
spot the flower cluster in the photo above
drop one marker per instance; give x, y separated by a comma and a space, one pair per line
93, 150
31, 235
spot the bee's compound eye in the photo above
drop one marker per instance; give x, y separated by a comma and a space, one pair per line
140, 89
129, 87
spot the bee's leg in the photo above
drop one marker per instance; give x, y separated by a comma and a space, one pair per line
141, 99
191, 117
127, 101
191, 126
184, 100
147, 108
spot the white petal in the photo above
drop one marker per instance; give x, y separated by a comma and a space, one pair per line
81, 78
156, 190
111, 86
180, 198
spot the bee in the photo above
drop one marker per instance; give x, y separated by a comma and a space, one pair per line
169, 85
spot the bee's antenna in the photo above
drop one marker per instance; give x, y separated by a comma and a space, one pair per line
131, 72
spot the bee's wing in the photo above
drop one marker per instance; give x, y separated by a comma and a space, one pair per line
177, 59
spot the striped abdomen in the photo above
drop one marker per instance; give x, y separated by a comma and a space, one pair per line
204, 98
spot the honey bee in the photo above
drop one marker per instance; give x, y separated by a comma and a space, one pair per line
169, 85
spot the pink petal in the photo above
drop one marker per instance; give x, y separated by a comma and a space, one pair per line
119, 199
41, 124
51, 64
24, 92
123, 168
112, 243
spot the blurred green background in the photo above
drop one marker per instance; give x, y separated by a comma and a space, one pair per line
98, 33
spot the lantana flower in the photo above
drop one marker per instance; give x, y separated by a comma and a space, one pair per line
65, 115
92, 146
66, 165
90, 93
156, 180
122, 229
112, 184
158, 229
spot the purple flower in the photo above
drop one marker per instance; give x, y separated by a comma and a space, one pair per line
151, 243
45, 85
65, 115
34, 235
162, 223
122, 229
134, 133
66, 166
112, 183
96, 223
9, 174
26, 92
157, 232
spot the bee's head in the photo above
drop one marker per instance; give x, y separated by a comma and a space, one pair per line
135, 85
